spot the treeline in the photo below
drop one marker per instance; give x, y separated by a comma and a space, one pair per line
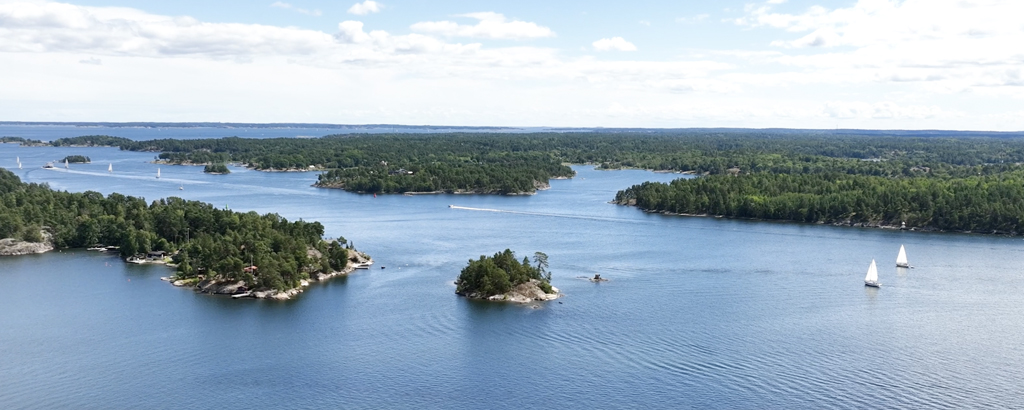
985, 203
498, 274
697, 151
91, 141
208, 242
483, 163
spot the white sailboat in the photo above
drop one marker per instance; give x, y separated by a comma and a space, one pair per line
901, 259
110, 168
158, 173
871, 279
65, 163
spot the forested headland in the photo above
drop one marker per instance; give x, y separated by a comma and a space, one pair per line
207, 242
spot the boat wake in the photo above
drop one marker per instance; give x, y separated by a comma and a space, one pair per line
126, 176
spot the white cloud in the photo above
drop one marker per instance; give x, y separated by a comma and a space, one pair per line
366, 7
289, 6
613, 44
489, 25
177, 68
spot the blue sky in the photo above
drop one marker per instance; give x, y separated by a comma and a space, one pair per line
879, 64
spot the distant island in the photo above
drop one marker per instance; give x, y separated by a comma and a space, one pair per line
76, 159
503, 278
213, 250
216, 169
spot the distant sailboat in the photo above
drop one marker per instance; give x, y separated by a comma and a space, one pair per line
65, 163
181, 188
158, 173
110, 168
872, 277
901, 259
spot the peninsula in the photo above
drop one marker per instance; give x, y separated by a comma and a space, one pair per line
208, 246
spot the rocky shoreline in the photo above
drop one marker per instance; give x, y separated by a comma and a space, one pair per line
522, 293
236, 289
16, 247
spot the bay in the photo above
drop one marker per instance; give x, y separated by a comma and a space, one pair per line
698, 312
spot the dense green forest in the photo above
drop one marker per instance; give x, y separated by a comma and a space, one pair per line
76, 159
216, 169
981, 203
213, 243
498, 274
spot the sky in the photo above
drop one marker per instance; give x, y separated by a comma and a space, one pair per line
869, 64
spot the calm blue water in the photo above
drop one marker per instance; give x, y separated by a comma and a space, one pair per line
698, 312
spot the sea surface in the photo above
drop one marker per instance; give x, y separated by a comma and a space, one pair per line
697, 313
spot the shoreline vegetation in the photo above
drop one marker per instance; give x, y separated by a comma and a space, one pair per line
967, 182
502, 278
265, 253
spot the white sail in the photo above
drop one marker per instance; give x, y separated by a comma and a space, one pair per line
65, 163
158, 172
872, 276
110, 168
901, 259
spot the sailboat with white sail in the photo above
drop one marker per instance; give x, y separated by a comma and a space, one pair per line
158, 173
65, 163
871, 279
110, 168
901, 259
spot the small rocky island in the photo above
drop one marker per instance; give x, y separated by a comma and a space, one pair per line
503, 278
217, 169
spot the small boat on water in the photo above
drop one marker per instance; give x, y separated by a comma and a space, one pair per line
49, 165
158, 173
110, 168
901, 259
871, 279
181, 188
65, 163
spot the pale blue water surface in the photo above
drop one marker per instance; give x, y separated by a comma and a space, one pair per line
698, 312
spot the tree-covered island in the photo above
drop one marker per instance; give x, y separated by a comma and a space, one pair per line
76, 159
504, 278
216, 169
215, 250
